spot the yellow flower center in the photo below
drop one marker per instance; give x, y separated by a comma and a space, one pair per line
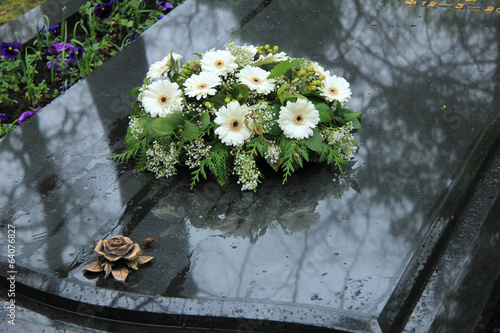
256, 80
202, 86
299, 118
235, 124
163, 99
219, 63
333, 91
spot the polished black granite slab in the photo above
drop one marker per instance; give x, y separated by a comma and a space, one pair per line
352, 252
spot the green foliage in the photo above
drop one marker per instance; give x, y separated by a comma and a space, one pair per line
294, 153
315, 142
218, 162
200, 170
258, 145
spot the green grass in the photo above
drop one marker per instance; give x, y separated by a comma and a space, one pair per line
12, 9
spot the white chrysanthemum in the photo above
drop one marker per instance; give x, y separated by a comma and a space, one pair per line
270, 58
297, 119
256, 79
335, 88
220, 62
161, 98
232, 130
159, 68
202, 85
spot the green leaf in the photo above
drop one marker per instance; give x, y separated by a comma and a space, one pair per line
315, 142
218, 100
190, 131
352, 115
240, 93
324, 111
295, 63
280, 69
134, 91
163, 126
205, 121
355, 123
282, 93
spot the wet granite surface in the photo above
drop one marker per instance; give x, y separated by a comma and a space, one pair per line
344, 252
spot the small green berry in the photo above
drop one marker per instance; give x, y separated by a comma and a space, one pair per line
276, 48
227, 100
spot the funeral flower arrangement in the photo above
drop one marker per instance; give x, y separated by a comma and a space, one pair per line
223, 111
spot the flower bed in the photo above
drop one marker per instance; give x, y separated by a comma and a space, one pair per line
36, 72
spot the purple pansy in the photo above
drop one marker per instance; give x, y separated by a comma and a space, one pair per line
167, 6
103, 10
76, 54
132, 35
56, 48
25, 115
10, 50
4, 117
57, 67
66, 86
52, 29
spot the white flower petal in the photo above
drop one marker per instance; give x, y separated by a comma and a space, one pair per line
159, 68
297, 119
202, 85
335, 88
162, 98
256, 79
220, 62
233, 127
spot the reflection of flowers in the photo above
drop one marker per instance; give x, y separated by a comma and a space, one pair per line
234, 213
115, 252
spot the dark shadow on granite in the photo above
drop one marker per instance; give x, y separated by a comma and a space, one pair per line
328, 251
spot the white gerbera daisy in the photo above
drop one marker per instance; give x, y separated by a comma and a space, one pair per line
161, 98
318, 69
335, 88
201, 85
159, 68
233, 127
297, 119
220, 62
256, 79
